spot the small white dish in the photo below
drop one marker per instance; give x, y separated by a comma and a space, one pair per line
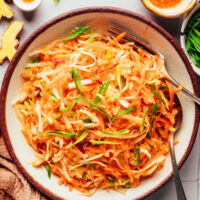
171, 12
27, 5
183, 37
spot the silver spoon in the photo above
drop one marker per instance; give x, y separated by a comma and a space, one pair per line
178, 121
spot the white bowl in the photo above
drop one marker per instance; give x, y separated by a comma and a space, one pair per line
173, 12
183, 37
27, 6
99, 18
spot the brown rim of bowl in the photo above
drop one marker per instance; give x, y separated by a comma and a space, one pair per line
53, 21
177, 15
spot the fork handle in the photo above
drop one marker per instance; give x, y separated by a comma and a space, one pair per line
185, 91
179, 188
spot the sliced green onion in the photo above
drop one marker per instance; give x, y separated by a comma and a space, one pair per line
127, 185
77, 80
138, 158
135, 152
56, 1
101, 110
76, 33
153, 113
109, 55
71, 105
102, 91
104, 142
143, 120
130, 110
52, 96
87, 120
58, 116
158, 96
59, 133
123, 131
148, 136
43, 85
92, 39
152, 146
118, 76
47, 167
81, 138
110, 179
36, 60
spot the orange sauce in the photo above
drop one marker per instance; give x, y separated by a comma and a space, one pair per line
27, 1
165, 3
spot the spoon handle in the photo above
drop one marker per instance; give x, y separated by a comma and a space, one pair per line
179, 188
185, 91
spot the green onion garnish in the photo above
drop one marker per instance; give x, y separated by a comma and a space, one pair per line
127, 185
59, 133
36, 60
138, 158
123, 131
58, 116
143, 120
81, 138
71, 105
104, 142
158, 96
102, 91
118, 76
110, 179
87, 120
47, 167
130, 110
153, 113
100, 110
148, 136
135, 152
76, 77
76, 33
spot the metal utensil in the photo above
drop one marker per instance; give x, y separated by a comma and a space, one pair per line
179, 116
178, 121
138, 44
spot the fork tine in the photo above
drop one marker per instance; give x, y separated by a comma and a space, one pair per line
116, 31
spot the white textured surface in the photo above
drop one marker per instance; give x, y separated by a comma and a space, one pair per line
48, 9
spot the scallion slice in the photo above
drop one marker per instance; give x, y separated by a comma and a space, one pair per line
102, 91
81, 138
71, 105
59, 133
103, 142
153, 113
143, 120
47, 167
123, 131
76, 77
130, 110
77, 33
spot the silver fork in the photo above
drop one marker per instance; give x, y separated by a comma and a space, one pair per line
138, 44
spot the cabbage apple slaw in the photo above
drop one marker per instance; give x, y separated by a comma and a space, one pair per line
97, 112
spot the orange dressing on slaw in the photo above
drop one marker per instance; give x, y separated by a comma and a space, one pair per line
165, 3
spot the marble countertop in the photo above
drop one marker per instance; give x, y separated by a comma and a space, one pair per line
190, 172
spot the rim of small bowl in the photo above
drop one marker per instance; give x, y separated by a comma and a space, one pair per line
27, 7
183, 37
175, 15
67, 15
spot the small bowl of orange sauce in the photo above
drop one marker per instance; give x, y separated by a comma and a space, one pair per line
169, 8
27, 5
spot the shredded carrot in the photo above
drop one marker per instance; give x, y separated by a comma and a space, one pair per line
96, 112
